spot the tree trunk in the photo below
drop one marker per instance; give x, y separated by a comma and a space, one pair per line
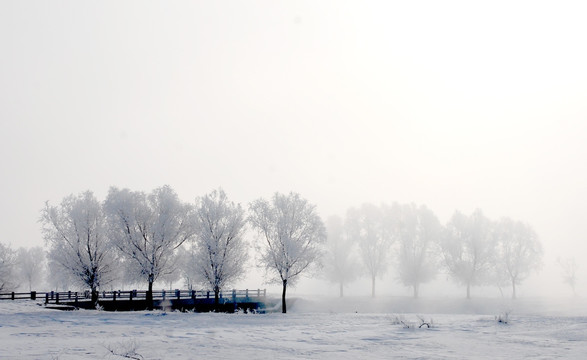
513, 289
468, 290
216, 298
150, 295
341, 291
94, 297
372, 286
283, 305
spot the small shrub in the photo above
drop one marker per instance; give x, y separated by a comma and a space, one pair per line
126, 349
503, 318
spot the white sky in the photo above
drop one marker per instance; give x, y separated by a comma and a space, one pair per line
455, 105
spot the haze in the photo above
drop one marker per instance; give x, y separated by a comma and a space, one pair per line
455, 105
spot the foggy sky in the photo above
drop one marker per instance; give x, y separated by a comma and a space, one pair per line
454, 104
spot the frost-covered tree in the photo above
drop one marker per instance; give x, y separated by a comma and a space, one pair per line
7, 267
569, 269
371, 228
500, 278
221, 252
174, 274
186, 262
77, 235
519, 252
340, 263
418, 233
147, 229
58, 277
468, 249
291, 233
31, 265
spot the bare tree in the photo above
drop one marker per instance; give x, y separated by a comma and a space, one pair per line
468, 248
76, 233
418, 233
7, 265
147, 229
340, 263
519, 251
31, 265
569, 268
221, 252
292, 234
370, 228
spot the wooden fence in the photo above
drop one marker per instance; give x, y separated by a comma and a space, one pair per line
69, 296
21, 296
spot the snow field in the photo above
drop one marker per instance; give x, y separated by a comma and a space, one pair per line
28, 331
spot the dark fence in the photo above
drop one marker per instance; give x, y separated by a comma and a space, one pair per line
69, 296
21, 296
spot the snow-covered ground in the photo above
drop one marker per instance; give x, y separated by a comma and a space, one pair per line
357, 328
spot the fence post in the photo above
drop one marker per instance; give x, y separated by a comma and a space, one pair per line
46, 298
208, 295
114, 296
163, 293
52, 295
33, 295
57, 298
193, 294
178, 293
76, 298
69, 294
234, 299
12, 295
247, 293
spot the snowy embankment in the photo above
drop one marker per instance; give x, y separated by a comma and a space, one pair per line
319, 329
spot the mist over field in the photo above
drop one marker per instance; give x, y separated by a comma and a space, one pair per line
406, 179
454, 106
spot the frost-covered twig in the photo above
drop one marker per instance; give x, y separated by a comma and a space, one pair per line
400, 320
127, 350
423, 322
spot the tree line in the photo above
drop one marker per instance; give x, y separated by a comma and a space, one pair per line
472, 249
134, 237
152, 236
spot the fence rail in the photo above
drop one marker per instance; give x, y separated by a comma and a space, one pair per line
68, 296
21, 296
